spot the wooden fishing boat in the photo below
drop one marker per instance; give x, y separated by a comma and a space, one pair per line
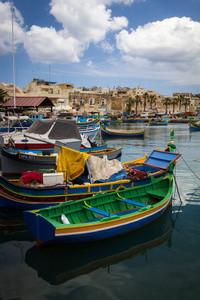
121, 133
105, 120
91, 122
158, 123
129, 120
63, 262
115, 120
14, 162
102, 216
38, 190
110, 153
195, 126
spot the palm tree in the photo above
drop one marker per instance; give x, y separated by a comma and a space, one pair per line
3, 94
145, 97
166, 102
137, 100
174, 101
186, 103
181, 99
152, 99
129, 104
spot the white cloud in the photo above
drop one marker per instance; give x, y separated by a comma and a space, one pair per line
167, 49
47, 45
6, 28
83, 22
174, 40
89, 64
86, 20
107, 47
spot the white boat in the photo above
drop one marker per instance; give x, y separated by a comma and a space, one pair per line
44, 134
14, 123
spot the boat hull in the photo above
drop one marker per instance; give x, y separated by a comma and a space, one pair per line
45, 229
14, 163
13, 195
194, 127
105, 132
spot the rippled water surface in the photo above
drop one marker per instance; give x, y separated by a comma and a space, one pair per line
160, 261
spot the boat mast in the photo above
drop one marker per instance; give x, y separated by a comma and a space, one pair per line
13, 53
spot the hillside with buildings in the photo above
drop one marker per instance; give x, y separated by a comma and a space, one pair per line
120, 99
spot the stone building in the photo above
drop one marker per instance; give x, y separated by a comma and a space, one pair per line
100, 100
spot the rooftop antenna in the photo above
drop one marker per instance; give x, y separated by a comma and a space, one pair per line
13, 53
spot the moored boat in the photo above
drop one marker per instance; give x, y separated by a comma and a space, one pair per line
102, 216
14, 162
195, 126
81, 175
43, 134
159, 122
71, 261
92, 121
121, 133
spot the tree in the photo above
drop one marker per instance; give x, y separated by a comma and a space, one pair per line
166, 102
186, 103
181, 99
174, 101
145, 97
129, 104
137, 100
3, 94
152, 99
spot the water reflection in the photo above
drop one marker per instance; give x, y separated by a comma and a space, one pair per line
60, 263
13, 226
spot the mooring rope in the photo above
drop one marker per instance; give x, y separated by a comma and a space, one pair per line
189, 166
177, 189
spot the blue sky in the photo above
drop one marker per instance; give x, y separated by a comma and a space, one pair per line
154, 44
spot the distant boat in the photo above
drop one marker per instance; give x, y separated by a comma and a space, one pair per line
81, 122
158, 122
121, 133
129, 120
195, 126
102, 216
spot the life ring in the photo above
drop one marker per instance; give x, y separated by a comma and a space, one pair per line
120, 188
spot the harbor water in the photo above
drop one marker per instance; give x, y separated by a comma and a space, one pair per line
159, 261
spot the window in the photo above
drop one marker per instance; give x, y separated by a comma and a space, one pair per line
82, 101
103, 102
74, 101
91, 101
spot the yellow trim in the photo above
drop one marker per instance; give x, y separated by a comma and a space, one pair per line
120, 196
87, 204
119, 187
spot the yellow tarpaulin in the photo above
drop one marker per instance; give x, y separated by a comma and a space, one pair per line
72, 162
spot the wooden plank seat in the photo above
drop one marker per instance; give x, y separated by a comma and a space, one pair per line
98, 211
157, 193
133, 202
